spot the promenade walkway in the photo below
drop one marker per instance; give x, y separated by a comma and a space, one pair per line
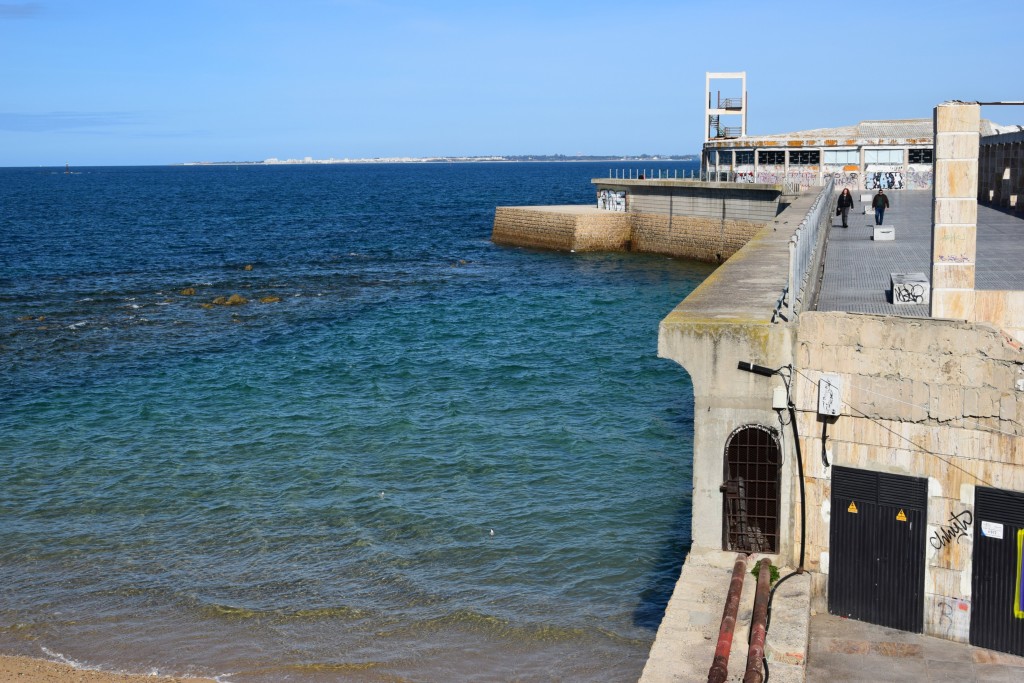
857, 268
849, 650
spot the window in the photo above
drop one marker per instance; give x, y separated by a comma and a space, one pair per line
804, 157
842, 156
778, 158
750, 504
920, 156
745, 157
883, 156
725, 158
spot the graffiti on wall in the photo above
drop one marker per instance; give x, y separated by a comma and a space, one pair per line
955, 528
919, 177
745, 173
949, 618
842, 178
771, 174
883, 180
611, 200
803, 178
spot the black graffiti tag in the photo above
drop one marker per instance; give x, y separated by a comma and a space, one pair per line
957, 528
908, 294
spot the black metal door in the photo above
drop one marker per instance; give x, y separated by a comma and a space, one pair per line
998, 517
877, 548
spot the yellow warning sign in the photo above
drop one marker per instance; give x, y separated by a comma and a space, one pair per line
901, 517
852, 508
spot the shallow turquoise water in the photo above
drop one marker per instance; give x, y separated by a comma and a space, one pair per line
307, 489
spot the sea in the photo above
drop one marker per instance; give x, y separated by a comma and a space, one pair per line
409, 455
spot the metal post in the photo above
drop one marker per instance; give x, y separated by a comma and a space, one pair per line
792, 278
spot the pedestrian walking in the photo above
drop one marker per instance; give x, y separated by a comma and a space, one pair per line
844, 204
880, 203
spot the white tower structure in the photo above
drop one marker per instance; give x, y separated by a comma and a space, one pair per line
729, 107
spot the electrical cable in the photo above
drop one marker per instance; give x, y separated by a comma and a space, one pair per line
915, 445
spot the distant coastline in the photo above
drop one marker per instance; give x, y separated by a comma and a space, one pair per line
273, 161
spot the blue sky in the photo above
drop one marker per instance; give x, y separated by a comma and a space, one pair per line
148, 82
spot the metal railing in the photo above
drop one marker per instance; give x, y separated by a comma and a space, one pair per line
801, 252
729, 132
649, 174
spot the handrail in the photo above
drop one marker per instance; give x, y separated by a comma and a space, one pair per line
801, 252
650, 174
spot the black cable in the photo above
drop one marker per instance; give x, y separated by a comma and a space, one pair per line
786, 372
824, 437
768, 618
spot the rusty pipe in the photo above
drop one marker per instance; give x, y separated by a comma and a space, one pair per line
720, 666
759, 624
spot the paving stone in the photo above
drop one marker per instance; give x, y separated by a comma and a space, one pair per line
899, 650
856, 275
849, 647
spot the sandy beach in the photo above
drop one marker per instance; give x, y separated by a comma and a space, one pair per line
31, 670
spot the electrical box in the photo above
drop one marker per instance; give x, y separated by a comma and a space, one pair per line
830, 395
780, 401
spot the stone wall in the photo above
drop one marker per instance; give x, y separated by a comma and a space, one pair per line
709, 200
1001, 172
924, 398
703, 239
552, 228
584, 228
725, 321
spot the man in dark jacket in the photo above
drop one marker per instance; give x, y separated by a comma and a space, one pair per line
880, 203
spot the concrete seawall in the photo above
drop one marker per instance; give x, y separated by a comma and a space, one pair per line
586, 228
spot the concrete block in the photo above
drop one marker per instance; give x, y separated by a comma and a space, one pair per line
953, 303
953, 276
1008, 406
954, 243
956, 211
909, 288
957, 145
957, 117
943, 581
884, 233
956, 178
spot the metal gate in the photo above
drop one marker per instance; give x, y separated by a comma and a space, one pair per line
995, 590
750, 506
877, 548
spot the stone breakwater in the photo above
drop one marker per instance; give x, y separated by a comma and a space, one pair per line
586, 228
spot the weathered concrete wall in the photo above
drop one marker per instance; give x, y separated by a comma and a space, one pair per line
703, 239
1003, 308
727, 319
584, 228
565, 228
925, 398
1001, 172
746, 202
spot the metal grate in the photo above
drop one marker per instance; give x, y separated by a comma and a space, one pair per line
751, 488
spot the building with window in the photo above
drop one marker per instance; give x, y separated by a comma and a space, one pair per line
891, 155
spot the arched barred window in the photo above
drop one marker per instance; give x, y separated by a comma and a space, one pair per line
750, 505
